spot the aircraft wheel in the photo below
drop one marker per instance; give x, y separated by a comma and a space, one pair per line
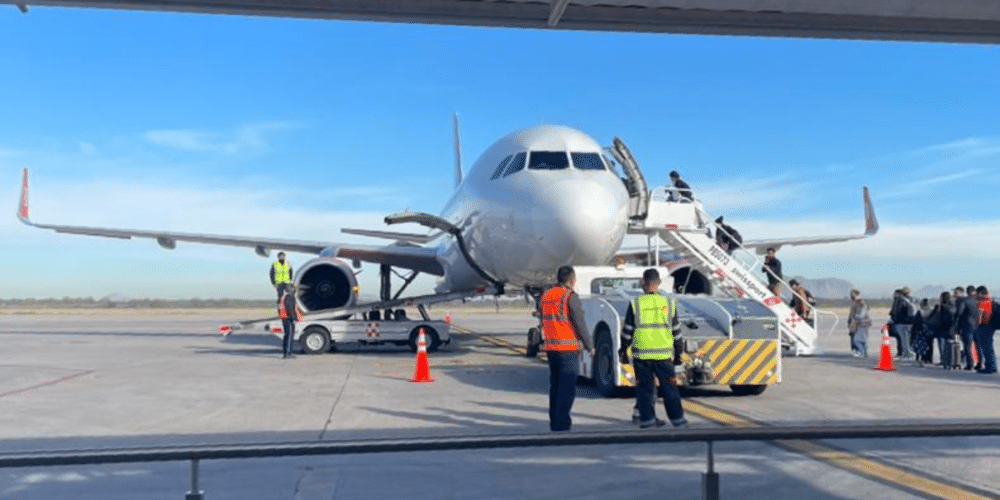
534, 342
748, 390
315, 340
604, 366
430, 336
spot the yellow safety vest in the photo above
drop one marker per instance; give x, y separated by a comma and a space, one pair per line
654, 334
282, 272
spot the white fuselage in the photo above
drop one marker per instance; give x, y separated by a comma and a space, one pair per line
564, 207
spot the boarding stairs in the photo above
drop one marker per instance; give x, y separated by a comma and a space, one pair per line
689, 231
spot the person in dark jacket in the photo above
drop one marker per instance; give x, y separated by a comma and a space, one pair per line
902, 315
966, 321
942, 323
288, 311
726, 236
984, 333
772, 268
684, 193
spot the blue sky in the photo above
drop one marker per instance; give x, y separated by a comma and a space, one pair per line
295, 128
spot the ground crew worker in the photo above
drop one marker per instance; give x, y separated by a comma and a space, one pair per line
281, 274
288, 311
563, 333
650, 326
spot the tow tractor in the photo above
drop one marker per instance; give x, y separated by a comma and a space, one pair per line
734, 342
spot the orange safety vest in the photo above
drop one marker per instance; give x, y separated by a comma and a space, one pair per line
283, 311
557, 329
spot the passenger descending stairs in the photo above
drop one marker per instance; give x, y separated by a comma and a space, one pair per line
737, 278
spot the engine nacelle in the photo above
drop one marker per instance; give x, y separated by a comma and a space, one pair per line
325, 283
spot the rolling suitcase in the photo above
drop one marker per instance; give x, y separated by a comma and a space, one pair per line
952, 357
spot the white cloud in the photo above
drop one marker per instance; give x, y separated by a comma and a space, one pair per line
742, 195
247, 138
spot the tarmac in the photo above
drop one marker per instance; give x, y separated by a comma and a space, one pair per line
89, 381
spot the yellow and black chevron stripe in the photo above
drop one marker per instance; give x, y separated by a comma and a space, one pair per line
742, 362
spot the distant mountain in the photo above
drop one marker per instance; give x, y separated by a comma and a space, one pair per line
115, 297
827, 288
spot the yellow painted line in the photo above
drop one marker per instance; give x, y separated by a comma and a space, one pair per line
846, 460
767, 354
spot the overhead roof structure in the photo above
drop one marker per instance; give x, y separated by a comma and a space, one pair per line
970, 21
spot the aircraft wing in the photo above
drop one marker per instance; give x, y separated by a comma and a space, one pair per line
871, 228
413, 257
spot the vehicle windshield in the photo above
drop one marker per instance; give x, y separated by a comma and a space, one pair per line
600, 286
587, 161
548, 160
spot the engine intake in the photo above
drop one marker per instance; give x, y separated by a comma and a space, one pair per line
325, 283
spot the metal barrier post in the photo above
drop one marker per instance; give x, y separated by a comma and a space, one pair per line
195, 493
710, 479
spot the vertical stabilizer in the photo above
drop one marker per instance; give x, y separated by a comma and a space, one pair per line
458, 153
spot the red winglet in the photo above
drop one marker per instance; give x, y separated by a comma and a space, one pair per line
23, 212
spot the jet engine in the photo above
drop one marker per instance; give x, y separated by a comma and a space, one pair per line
325, 283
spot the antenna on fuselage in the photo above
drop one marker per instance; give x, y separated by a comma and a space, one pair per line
458, 152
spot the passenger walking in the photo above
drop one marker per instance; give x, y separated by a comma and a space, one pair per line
802, 302
984, 332
858, 321
564, 332
681, 188
772, 268
726, 236
649, 328
281, 274
922, 335
902, 316
288, 311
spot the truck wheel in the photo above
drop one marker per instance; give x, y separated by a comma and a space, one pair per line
604, 366
748, 390
430, 336
534, 343
315, 340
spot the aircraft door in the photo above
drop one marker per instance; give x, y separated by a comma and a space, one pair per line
635, 182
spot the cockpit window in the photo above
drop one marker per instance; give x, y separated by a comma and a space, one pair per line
516, 165
587, 161
548, 160
499, 170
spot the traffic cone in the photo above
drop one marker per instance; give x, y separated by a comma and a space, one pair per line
447, 317
422, 372
885, 358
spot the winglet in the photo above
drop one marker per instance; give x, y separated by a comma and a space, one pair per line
871, 222
22, 212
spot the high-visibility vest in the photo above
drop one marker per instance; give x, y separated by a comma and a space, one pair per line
282, 272
557, 330
283, 311
654, 334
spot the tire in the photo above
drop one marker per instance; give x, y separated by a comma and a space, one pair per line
748, 390
315, 340
431, 337
534, 343
604, 365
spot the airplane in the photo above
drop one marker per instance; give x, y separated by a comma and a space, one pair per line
537, 199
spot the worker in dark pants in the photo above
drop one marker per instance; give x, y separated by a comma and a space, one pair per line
563, 333
288, 311
649, 329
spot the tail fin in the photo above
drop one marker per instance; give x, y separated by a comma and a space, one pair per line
871, 222
458, 153
22, 212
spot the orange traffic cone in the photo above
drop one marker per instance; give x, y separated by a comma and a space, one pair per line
447, 317
422, 372
885, 358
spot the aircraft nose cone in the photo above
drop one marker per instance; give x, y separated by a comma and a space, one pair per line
589, 219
